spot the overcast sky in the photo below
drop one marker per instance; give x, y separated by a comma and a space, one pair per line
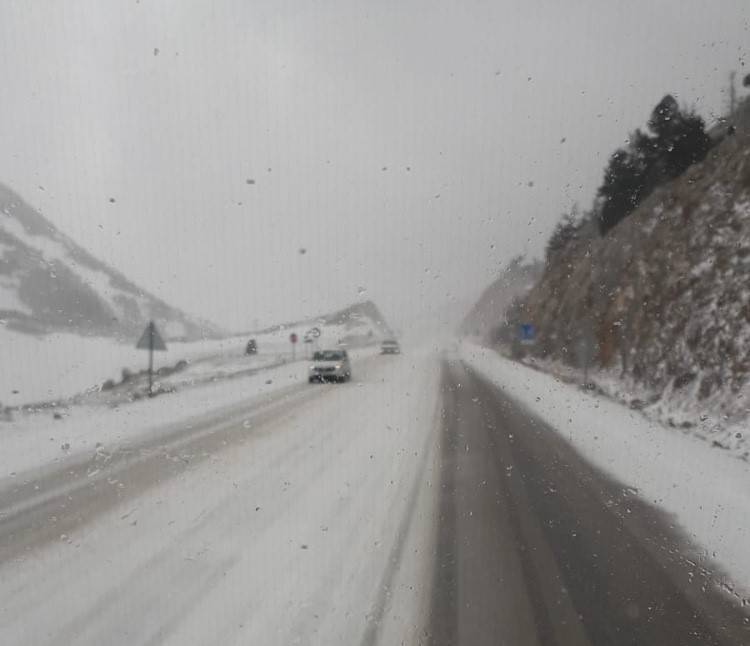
410, 147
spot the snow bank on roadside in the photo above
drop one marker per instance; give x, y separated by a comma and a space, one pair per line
705, 489
681, 409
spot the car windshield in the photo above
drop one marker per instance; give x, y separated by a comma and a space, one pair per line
328, 355
221, 220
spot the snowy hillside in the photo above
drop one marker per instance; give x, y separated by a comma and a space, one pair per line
50, 284
358, 324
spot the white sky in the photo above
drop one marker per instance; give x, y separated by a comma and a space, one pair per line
473, 96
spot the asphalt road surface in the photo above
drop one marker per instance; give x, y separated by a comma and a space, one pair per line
414, 505
535, 546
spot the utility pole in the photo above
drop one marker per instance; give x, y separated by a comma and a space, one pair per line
151, 360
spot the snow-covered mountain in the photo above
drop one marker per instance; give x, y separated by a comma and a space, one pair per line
48, 283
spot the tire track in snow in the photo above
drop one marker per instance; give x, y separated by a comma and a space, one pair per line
396, 555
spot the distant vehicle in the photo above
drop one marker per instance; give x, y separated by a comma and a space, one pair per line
252, 347
330, 365
390, 346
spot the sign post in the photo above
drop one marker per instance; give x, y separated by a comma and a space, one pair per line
293, 341
585, 353
151, 340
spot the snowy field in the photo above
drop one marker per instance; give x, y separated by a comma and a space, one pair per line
706, 490
59, 366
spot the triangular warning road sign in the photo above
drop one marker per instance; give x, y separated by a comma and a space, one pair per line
151, 339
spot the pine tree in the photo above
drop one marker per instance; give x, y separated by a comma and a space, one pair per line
679, 140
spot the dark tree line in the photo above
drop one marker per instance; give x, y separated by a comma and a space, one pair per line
566, 230
675, 140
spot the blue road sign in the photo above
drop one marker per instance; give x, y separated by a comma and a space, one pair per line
526, 332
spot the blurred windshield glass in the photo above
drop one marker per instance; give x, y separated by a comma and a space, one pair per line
368, 322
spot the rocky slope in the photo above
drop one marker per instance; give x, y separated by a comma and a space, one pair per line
48, 283
664, 298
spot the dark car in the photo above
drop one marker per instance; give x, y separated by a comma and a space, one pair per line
390, 346
252, 347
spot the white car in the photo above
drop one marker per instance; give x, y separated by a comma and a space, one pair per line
330, 365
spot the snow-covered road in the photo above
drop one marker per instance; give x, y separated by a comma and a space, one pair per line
308, 521
435, 499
